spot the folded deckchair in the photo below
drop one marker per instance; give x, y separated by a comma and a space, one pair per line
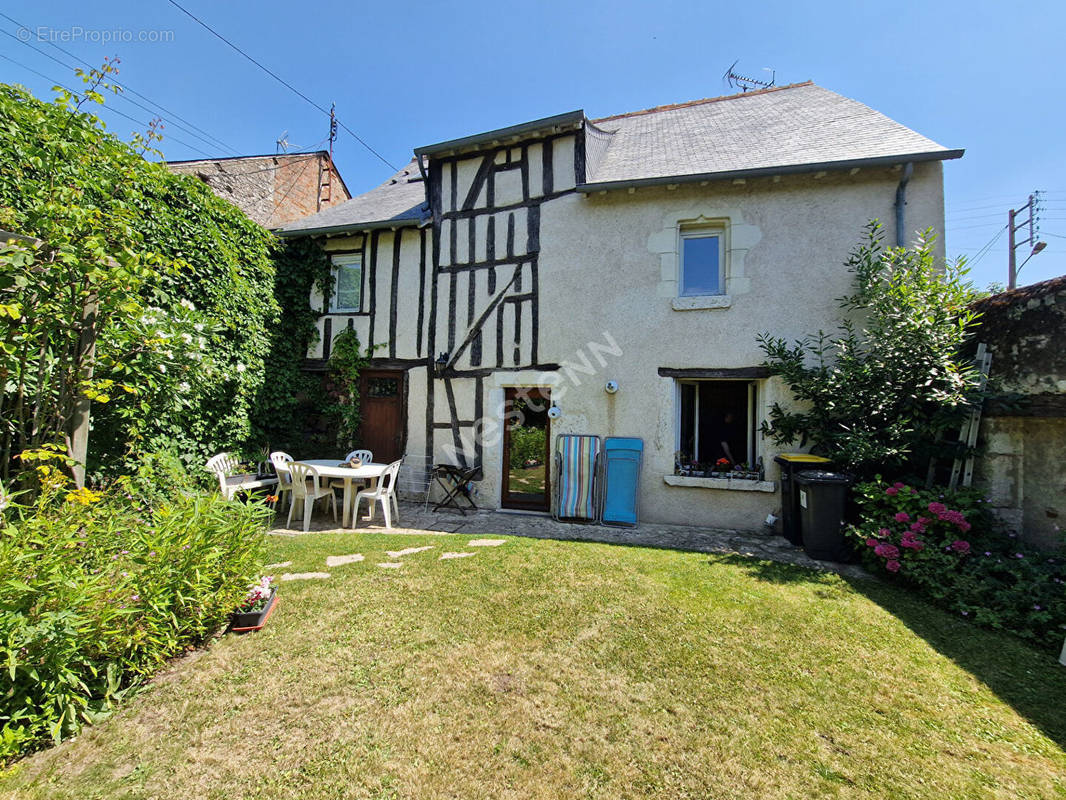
575, 486
620, 482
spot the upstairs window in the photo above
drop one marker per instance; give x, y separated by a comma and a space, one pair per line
702, 261
348, 289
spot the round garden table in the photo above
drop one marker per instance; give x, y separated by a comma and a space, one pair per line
333, 468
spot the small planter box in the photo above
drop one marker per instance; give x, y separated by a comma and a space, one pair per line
243, 622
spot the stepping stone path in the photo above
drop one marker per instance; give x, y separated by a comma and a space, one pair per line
390, 564
302, 576
486, 542
408, 551
444, 556
336, 561
279, 565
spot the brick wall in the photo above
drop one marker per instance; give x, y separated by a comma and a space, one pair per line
272, 190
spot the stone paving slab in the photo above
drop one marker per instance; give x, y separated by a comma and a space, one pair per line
408, 551
303, 576
390, 564
486, 542
446, 556
415, 521
336, 561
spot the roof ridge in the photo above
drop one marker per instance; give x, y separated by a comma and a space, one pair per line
690, 103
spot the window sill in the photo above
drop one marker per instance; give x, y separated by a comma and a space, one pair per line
701, 303
739, 485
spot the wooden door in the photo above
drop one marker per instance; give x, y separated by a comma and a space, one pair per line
384, 426
526, 447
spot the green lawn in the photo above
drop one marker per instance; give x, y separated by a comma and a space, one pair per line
544, 669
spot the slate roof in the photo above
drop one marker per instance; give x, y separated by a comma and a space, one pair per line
402, 198
796, 126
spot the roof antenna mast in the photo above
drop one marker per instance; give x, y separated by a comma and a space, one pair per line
282, 143
742, 82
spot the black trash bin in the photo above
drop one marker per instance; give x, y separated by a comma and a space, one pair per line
822, 499
791, 463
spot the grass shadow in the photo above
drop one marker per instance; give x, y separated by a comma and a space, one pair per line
1028, 679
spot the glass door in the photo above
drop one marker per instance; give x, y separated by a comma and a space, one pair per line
526, 445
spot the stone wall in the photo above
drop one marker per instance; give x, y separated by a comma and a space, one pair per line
272, 190
1022, 462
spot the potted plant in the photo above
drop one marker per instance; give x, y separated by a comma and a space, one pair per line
257, 606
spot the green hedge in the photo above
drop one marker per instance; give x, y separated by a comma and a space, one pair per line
97, 590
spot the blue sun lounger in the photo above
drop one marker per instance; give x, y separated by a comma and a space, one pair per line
621, 479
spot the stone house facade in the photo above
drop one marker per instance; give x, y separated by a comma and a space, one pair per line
1022, 438
528, 266
273, 190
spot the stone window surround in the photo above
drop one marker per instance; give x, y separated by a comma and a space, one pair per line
740, 237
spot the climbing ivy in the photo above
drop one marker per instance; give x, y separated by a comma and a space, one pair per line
347, 359
178, 252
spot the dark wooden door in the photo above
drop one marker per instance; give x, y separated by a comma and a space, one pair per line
526, 447
384, 416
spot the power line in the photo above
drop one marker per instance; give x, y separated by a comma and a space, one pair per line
280, 80
988, 247
188, 127
112, 110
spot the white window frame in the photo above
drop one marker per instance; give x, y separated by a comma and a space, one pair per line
751, 417
703, 231
342, 262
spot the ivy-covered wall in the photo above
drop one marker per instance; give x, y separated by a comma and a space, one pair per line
206, 254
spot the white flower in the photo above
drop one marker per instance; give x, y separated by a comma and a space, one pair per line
162, 367
183, 386
188, 304
199, 326
187, 338
241, 367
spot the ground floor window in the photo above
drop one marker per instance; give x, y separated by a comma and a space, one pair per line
717, 420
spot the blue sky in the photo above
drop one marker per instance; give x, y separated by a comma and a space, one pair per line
979, 75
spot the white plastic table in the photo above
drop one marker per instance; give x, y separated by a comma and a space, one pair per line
330, 468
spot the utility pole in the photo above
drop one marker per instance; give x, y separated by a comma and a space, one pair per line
1033, 209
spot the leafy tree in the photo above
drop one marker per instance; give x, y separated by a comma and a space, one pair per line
880, 394
180, 282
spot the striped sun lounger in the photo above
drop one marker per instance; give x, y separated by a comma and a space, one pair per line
575, 476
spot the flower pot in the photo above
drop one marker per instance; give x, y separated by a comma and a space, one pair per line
243, 621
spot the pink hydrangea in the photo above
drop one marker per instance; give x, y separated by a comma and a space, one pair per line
917, 527
938, 508
902, 516
912, 544
884, 533
898, 485
892, 565
889, 551
871, 542
960, 546
892, 490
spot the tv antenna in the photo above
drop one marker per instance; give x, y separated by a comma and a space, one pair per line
742, 82
282, 143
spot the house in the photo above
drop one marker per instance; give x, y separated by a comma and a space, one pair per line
1023, 427
272, 189
508, 272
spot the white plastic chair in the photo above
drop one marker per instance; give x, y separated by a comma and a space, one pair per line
415, 480
281, 461
365, 456
306, 489
383, 492
224, 465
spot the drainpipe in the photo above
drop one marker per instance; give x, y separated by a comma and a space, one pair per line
901, 202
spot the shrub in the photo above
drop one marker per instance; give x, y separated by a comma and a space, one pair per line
880, 396
527, 444
947, 545
98, 589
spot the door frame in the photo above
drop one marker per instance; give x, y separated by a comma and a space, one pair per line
534, 393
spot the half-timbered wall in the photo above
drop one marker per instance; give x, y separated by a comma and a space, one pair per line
485, 298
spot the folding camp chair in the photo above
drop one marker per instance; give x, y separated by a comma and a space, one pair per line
455, 481
576, 485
